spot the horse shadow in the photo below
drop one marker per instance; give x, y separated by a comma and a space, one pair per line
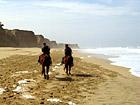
82, 75
64, 79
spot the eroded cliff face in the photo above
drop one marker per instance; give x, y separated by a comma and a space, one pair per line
75, 46
24, 38
7, 40
62, 45
41, 39
17, 38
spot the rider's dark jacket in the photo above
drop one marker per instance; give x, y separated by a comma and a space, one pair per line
68, 51
46, 50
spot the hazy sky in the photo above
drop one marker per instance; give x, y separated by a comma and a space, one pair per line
89, 23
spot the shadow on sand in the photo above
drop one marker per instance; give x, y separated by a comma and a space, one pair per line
64, 79
82, 75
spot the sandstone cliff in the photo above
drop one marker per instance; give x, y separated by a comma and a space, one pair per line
24, 38
7, 40
62, 45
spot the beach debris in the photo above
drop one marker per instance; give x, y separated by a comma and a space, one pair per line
54, 100
41, 102
28, 96
71, 103
1, 90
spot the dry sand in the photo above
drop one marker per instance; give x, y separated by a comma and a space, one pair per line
93, 81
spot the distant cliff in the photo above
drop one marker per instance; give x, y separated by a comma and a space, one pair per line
24, 38
62, 45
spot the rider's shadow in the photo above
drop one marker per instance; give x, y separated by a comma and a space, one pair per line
64, 79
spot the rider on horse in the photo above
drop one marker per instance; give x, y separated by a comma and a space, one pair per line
68, 52
45, 50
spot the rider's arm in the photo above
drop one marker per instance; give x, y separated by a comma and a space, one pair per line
42, 49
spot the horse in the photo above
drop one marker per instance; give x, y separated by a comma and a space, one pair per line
45, 62
68, 64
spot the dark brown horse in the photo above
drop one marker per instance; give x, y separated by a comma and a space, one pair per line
68, 64
45, 62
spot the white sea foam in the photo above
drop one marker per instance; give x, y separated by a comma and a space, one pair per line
54, 100
19, 89
56, 67
26, 81
14, 85
50, 73
1, 90
81, 57
35, 71
71, 103
20, 72
58, 64
28, 96
53, 69
127, 57
89, 56
22, 83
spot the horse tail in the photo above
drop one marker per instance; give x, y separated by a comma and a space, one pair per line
44, 59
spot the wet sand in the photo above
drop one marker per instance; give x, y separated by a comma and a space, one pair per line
93, 81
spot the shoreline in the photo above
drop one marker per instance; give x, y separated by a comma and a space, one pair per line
94, 81
108, 59
124, 81
119, 60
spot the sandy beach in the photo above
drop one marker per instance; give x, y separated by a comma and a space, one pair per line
93, 81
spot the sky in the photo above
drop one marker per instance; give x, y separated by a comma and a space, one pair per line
89, 23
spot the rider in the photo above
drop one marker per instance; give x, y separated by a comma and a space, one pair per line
45, 50
68, 52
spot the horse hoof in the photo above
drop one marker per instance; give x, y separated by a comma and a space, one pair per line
44, 76
67, 73
47, 77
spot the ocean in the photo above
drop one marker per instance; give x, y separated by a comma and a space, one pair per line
126, 57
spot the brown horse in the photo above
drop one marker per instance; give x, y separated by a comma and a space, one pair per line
45, 62
68, 64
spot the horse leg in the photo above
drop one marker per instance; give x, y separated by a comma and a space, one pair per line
66, 69
44, 72
47, 72
69, 70
43, 69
